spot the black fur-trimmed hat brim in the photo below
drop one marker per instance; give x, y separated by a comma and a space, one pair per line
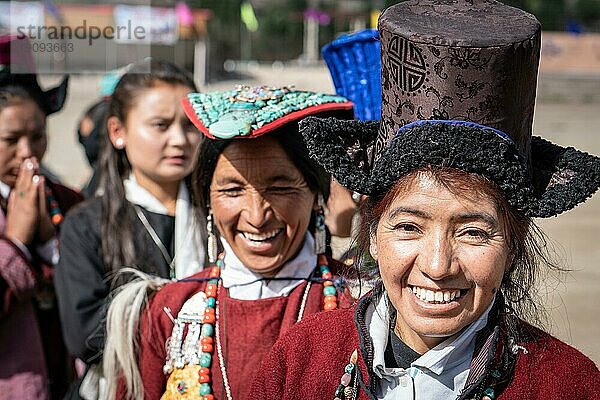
559, 178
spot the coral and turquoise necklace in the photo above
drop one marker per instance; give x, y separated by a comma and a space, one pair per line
209, 334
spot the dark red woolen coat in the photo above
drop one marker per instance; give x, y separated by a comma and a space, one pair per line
308, 362
248, 330
32, 350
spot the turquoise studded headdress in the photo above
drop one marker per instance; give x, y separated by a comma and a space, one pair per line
249, 112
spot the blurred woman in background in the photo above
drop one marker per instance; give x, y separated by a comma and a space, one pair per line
144, 218
34, 363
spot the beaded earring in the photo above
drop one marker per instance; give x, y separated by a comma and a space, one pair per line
320, 232
211, 239
210, 329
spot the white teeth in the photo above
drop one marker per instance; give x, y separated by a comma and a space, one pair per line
429, 295
435, 297
261, 237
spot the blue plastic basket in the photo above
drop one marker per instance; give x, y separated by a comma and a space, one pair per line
354, 62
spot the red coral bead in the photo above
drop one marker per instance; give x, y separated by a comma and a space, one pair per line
208, 397
215, 272
330, 299
204, 379
204, 371
328, 283
209, 318
211, 287
207, 348
206, 340
211, 290
330, 306
327, 275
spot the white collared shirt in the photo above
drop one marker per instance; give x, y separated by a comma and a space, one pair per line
244, 284
440, 373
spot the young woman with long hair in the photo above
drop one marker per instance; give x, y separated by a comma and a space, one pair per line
144, 218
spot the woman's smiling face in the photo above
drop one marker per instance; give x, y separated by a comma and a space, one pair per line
261, 203
441, 256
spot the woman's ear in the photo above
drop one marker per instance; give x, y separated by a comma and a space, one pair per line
510, 261
319, 203
116, 132
373, 244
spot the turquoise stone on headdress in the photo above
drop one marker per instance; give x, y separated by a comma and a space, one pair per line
231, 124
252, 111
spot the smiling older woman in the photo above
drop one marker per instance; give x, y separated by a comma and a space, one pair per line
248, 176
449, 221
203, 336
442, 251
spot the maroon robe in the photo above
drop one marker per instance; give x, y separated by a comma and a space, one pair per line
32, 351
248, 330
308, 362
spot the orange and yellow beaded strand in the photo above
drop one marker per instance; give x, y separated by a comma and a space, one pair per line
330, 301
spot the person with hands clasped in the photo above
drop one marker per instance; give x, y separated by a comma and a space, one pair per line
27, 218
33, 358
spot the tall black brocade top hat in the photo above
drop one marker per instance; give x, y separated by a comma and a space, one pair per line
458, 90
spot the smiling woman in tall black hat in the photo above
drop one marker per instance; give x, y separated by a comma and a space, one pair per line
454, 179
